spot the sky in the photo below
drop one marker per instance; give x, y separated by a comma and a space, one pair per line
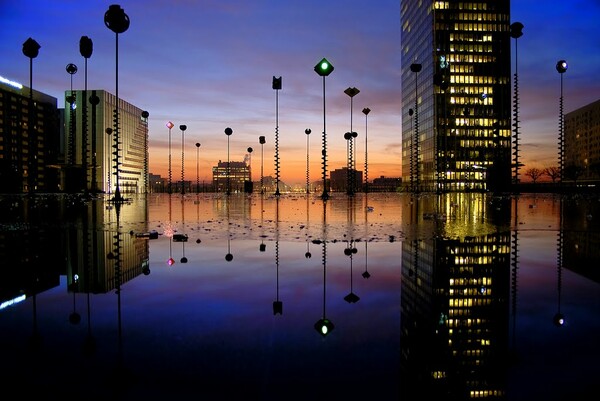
209, 64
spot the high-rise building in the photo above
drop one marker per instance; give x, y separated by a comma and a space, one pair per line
456, 95
29, 139
90, 158
582, 144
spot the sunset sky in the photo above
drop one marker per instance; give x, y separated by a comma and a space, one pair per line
209, 64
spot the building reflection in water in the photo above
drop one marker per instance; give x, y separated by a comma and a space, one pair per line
458, 257
455, 294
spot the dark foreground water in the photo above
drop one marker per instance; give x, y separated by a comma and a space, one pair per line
209, 297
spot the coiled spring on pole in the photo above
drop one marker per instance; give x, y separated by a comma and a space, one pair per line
324, 159
277, 158
516, 127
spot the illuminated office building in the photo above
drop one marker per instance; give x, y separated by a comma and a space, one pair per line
29, 139
90, 157
456, 95
231, 176
455, 304
582, 144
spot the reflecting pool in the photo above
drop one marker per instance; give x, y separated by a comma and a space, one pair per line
257, 297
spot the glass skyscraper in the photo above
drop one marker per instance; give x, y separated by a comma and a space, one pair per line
456, 95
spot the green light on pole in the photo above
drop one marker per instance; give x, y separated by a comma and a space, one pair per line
324, 68
324, 326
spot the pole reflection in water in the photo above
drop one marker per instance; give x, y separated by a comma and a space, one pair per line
182, 237
307, 254
351, 249
559, 318
169, 231
442, 297
277, 304
229, 255
324, 326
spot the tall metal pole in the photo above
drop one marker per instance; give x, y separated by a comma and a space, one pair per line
561, 67
366, 112
261, 140
169, 126
228, 132
85, 49
351, 177
182, 128
416, 68
197, 167
325, 194
118, 22
516, 31
323, 69
277, 87
307, 132
71, 70
31, 50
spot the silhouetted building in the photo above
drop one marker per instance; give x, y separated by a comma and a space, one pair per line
582, 144
29, 139
339, 179
89, 160
456, 95
385, 184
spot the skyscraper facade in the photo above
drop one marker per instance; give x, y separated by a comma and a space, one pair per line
456, 95
29, 139
90, 144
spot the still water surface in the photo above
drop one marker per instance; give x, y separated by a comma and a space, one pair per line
206, 296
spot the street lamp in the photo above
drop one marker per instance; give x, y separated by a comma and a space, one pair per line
323, 69
169, 126
197, 167
516, 31
182, 128
249, 188
85, 49
561, 67
277, 87
228, 132
348, 138
145, 115
366, 112
94, 101
416, 68
307, 132
109, 132
117, 21
71, 70
31, 50
351, 91
261, 140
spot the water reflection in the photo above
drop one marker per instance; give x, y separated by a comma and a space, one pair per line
462, 295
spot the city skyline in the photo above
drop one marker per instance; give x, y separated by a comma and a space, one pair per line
210, 66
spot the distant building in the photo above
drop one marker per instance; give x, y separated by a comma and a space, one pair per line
582, 143
29, 139
269, 186
385, 184
339, 179
157, 183
232, 177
